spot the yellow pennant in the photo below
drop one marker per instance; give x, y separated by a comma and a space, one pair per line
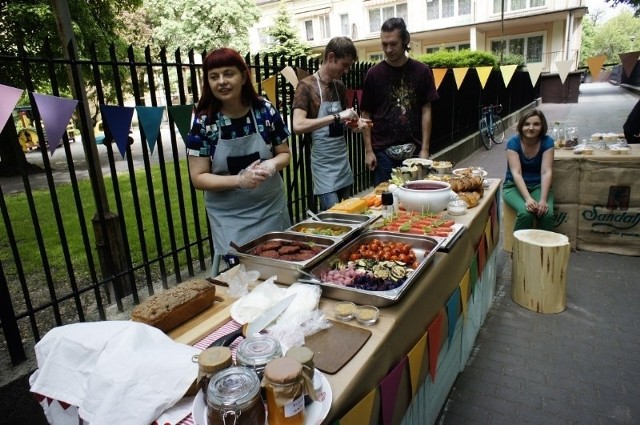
361, 412
438, 75
483, 74
290, 75
507, 73
459, 74
416, 360
465, 293
488, 233
269, 87
563, 69
595, 65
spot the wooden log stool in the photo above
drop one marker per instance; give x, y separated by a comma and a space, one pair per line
508, 220
539, 270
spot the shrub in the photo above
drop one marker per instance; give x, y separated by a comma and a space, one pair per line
461, 59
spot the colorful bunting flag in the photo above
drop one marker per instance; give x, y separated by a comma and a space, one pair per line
438, 75
507, 73
301, 73
389, 391
350, 94
629, 61
181, 115
482, 255
534, 71
453, 307
473, 272
359, 97
361, 412
464, 293
269, 87
459, 74
56, 113
595, 65
150, 118
564, 67
488, 236
483, 74
434, 336
9, 97
117, 120
416, 362
289, 74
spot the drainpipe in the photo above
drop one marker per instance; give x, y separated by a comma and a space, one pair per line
568, 34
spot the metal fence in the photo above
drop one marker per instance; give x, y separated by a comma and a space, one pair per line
67, 256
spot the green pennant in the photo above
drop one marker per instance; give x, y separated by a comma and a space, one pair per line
181, 115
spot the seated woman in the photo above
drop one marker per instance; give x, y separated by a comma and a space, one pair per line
237, 145
527, 185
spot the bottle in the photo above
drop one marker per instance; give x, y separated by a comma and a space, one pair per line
387, 204
211, 361
284, 388
233, 397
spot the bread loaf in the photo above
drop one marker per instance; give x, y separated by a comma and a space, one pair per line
175, 306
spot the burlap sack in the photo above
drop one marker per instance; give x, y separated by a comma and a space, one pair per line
566, 222
566, 179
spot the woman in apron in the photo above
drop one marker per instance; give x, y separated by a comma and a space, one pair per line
236, 147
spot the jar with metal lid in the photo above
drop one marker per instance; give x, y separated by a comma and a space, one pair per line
256, 351
305, 356
284, 387
211, 361
233, 398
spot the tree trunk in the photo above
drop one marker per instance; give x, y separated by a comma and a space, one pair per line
12, 158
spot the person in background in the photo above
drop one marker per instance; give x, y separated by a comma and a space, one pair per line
527, 185
236, 146
396, 95
632, 125
319, 107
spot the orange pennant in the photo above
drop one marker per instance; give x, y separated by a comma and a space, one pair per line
465, 293
507, 73
438, 75
269, 87
361, 412
483, 74
629, 61
459, 74
595, 65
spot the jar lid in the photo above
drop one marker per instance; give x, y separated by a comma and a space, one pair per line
387, 198
257, 350
283, 370
214, 359
234, 388
302, 354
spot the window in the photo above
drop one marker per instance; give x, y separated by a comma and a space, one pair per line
516, 46
518, 4
325, 27
378, 15
432, 49
265, 38
529, 47
376, 57
344, 25
437, 9
308, 28
448, 47
534, 49
464, 46
515, 5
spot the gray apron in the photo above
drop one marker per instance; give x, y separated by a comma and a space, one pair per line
329, 157
241, 215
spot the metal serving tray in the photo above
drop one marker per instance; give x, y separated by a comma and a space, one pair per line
345, 218
287, 271
425, 248
344, 230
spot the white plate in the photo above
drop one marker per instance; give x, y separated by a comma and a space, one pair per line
315, 413
461, 171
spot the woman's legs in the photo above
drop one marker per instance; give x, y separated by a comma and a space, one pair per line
511, 196
546, 222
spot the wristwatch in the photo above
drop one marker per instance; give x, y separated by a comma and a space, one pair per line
336, 119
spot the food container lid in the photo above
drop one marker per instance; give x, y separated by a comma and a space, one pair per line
234, 388
302, 354
257, 350
387, 198
284, 370
214, 359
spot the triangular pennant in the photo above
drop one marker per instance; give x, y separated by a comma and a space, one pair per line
361, 412
459, 74
629, 61
389, 391
563, 68
301, 73
473, 273
507, 73
290, 76
438, 75
256, 87
56, 113
181, 115
595, 65
453, 306
482, 255
9, 97
359, 97
483, 74
435, 336
350, 93
269, 87
488, 236
534, 71
493, 213
416, 361
464, 293
117, 120
150, 118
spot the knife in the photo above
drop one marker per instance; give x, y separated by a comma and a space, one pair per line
256, 325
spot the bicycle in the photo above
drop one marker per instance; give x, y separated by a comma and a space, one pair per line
490, 125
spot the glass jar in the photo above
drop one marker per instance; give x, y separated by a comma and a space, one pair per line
284, 388
233, 398
211, 361
256, 351
305, 356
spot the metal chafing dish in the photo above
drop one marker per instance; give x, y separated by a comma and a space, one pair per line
325, 229
287, 271
345, 218
423, 246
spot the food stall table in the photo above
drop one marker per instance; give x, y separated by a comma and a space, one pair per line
404, 371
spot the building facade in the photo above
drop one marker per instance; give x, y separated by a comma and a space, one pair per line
540, 30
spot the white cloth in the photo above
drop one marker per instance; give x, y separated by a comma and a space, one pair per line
115, 371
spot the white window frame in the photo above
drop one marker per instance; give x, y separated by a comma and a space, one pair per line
308, 25
383, 17
528, 7
345, 28
456, 10
324, 23
524, 36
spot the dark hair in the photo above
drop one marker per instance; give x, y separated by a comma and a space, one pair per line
225, 56
533, 113
393, 24
342, 47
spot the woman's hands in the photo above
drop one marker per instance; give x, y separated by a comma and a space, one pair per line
255, 174
537, 208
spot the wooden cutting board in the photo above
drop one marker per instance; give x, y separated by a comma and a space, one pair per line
203, 324
335, 346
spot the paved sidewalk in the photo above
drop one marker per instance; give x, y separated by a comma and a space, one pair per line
581, 366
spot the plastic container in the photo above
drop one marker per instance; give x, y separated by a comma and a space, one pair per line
367, 314
233, 397
344, 310
457, 207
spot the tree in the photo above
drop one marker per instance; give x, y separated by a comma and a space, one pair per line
619, 34
635, 4
203, 25
284, 38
